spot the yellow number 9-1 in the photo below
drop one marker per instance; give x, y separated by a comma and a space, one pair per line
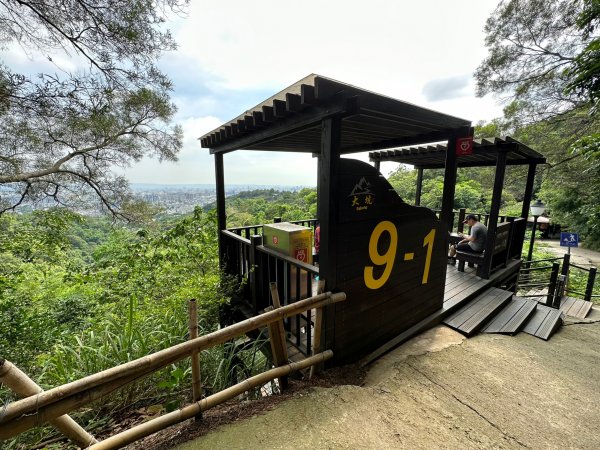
387, 258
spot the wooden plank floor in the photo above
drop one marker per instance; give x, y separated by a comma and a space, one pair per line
513, 317
460, 288
575, 307
572, 307
472, 316
544, 322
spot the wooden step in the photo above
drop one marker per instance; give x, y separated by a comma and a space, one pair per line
575, 307
544, 322
471, 317
513, 317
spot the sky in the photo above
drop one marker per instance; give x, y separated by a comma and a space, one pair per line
233, 55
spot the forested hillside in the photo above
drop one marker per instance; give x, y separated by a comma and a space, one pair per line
82, 294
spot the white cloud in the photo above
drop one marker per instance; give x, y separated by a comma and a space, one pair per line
234, 54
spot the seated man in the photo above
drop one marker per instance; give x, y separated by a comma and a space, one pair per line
475, 243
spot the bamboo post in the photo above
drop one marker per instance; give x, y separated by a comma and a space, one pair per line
193, 328
277, 338
34, 410
162, 422
317, 333
16, 380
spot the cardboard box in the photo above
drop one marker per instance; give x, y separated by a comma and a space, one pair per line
290, 239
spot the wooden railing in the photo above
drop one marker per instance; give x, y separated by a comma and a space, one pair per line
558, 275
22, 415
258, 266
568, 267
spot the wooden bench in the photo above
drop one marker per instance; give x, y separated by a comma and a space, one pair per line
501, 242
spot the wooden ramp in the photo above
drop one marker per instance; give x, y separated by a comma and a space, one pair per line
575, 307
572, 307
544, 322
471, 317
513, 317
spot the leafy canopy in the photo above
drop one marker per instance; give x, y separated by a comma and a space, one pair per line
64, 129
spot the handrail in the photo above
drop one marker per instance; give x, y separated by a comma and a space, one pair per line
579, 267
236, 237
293, 261
27, 413
543, 260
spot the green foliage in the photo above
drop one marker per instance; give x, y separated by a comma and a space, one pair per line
80, 295
263, 205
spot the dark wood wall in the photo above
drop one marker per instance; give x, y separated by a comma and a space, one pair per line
391, 262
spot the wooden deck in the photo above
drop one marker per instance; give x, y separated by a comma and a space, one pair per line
461, 287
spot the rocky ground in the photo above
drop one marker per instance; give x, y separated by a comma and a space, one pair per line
439, 390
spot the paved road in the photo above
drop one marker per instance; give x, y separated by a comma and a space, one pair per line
580, 256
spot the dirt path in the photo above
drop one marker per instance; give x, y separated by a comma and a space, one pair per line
443, 391
580, 256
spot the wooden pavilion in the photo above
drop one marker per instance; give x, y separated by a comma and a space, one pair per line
388, 256
497, 152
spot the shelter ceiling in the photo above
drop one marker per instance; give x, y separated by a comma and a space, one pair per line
484, 153
291, 121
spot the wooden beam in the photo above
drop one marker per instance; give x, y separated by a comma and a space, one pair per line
308, 118
279, 109
399, 142
268, 114
241, 124
249, 123
258, 119
293, 103
307, 95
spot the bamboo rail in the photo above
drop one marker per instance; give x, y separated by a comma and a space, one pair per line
32, 411
154, 425
17, 381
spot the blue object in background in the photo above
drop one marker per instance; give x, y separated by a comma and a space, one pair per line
569, 239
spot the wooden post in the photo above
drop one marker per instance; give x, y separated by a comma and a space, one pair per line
220, 193
552, 286
528, 191
377, 165
449, 183
193, 329
419, 186
331, 135
565, 269
461, 218
590, 284
494, 213
14, 379
277, 338
253, 276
